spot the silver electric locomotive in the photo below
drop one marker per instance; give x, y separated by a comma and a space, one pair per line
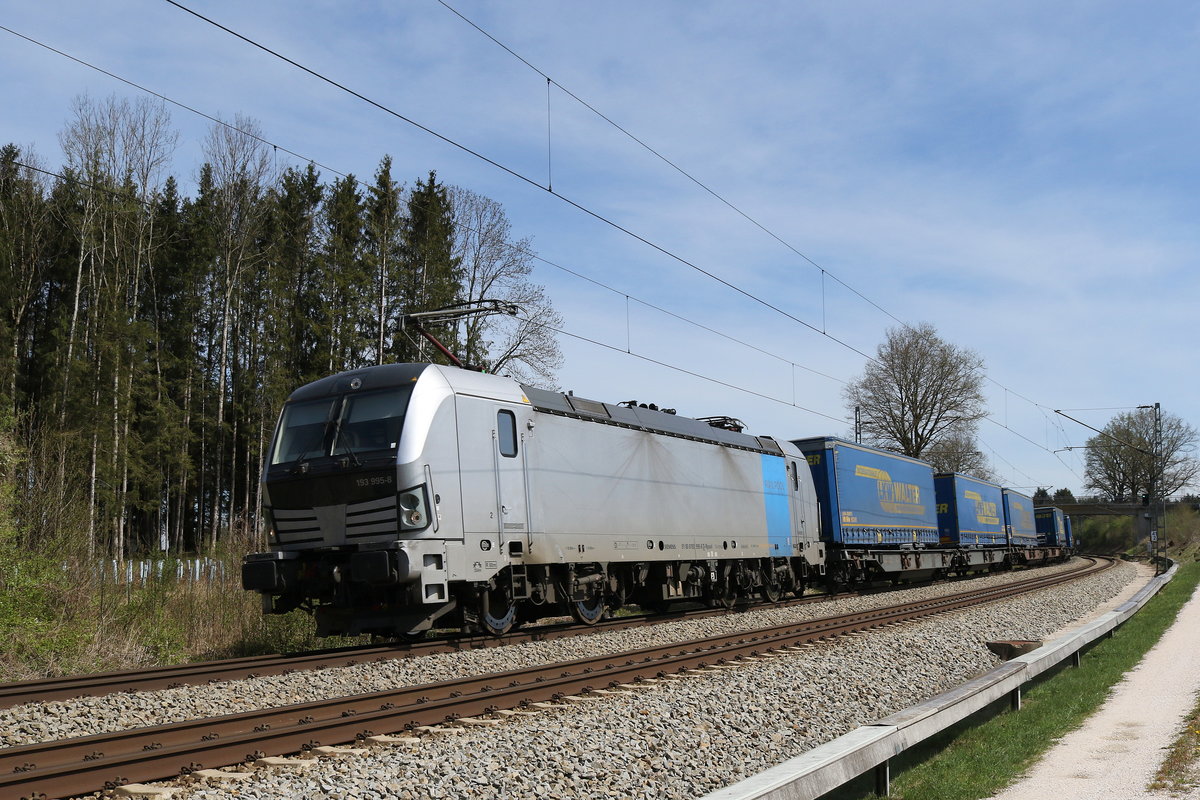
409, 496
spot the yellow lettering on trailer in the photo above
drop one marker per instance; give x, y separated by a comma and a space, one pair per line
894, 497
987, 513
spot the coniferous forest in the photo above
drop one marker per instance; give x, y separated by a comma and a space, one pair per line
150, 337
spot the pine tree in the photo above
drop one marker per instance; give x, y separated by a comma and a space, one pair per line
24, 225
299, 329
382, 232
347, 280
432, 274
147, 339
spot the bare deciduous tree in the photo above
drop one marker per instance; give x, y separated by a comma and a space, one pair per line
1120, 462
240, 165
496, 268
957, 451
119, 151
918, 391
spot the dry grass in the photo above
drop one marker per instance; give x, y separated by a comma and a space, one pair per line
58, 618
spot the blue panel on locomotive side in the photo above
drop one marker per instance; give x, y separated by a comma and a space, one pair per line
775, 504
871, 497
969, 510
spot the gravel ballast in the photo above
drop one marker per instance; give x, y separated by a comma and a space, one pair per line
679, 738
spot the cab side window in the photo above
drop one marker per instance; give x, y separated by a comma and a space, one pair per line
506, 432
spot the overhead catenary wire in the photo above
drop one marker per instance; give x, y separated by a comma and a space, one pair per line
671, 164
708, 189
628, 351
525, 179
563, 198
515, 247
636, 236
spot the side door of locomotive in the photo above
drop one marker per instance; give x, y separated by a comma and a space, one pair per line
492, 467
800, 509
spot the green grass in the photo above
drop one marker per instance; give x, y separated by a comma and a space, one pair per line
982, 755
1180, 770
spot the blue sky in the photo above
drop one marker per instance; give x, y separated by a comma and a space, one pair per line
1021, 175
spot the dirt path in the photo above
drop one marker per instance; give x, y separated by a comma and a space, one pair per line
1117, 751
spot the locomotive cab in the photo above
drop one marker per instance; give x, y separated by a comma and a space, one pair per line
348, 497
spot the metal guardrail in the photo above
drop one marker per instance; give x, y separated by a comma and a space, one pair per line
828, 766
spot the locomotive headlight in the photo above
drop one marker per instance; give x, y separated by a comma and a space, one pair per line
269, 522
411, 507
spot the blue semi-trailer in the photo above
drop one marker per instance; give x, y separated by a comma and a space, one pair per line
1053, 526
969, 511
871, 497
1019, 521
879, 515
883, 515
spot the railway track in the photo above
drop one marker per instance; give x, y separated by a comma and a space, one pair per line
176, 675
173, 676
75, 766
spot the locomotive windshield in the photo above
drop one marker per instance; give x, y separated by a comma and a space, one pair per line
350, 425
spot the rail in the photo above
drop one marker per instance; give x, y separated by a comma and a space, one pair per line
70, 767
871, 747
175, 675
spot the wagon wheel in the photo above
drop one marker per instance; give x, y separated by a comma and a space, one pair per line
497, 612
839, 576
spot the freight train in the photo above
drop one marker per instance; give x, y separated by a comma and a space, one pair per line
403, 497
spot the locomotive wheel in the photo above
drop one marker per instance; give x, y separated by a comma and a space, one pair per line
771, 592
590, 611
497, 613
